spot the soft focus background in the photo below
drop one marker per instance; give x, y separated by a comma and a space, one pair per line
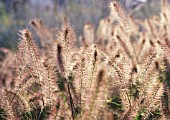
16, 14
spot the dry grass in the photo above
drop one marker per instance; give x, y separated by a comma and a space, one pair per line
121, 72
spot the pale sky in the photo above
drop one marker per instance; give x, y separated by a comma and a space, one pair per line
141, 0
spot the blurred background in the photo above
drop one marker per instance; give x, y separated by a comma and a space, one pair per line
16, 14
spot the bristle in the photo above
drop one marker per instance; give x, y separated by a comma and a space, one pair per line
6, 105
124, 46
59, 57
26, 37
117, 11
100, 76
95, 55
113, 74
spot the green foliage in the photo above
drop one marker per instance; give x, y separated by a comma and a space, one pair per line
27, 116
9, 26
6, 19
37, 114
155, 114
134, 90
152, 115
139, 115
167, 79
45, 113
3, 115
115, 103
77, 111
164, 77
70, 78
35, 87
60, 82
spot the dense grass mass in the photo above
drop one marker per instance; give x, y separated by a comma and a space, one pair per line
119, 72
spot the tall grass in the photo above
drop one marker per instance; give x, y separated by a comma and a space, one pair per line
119, 72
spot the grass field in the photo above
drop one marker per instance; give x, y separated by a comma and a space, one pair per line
121, 71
